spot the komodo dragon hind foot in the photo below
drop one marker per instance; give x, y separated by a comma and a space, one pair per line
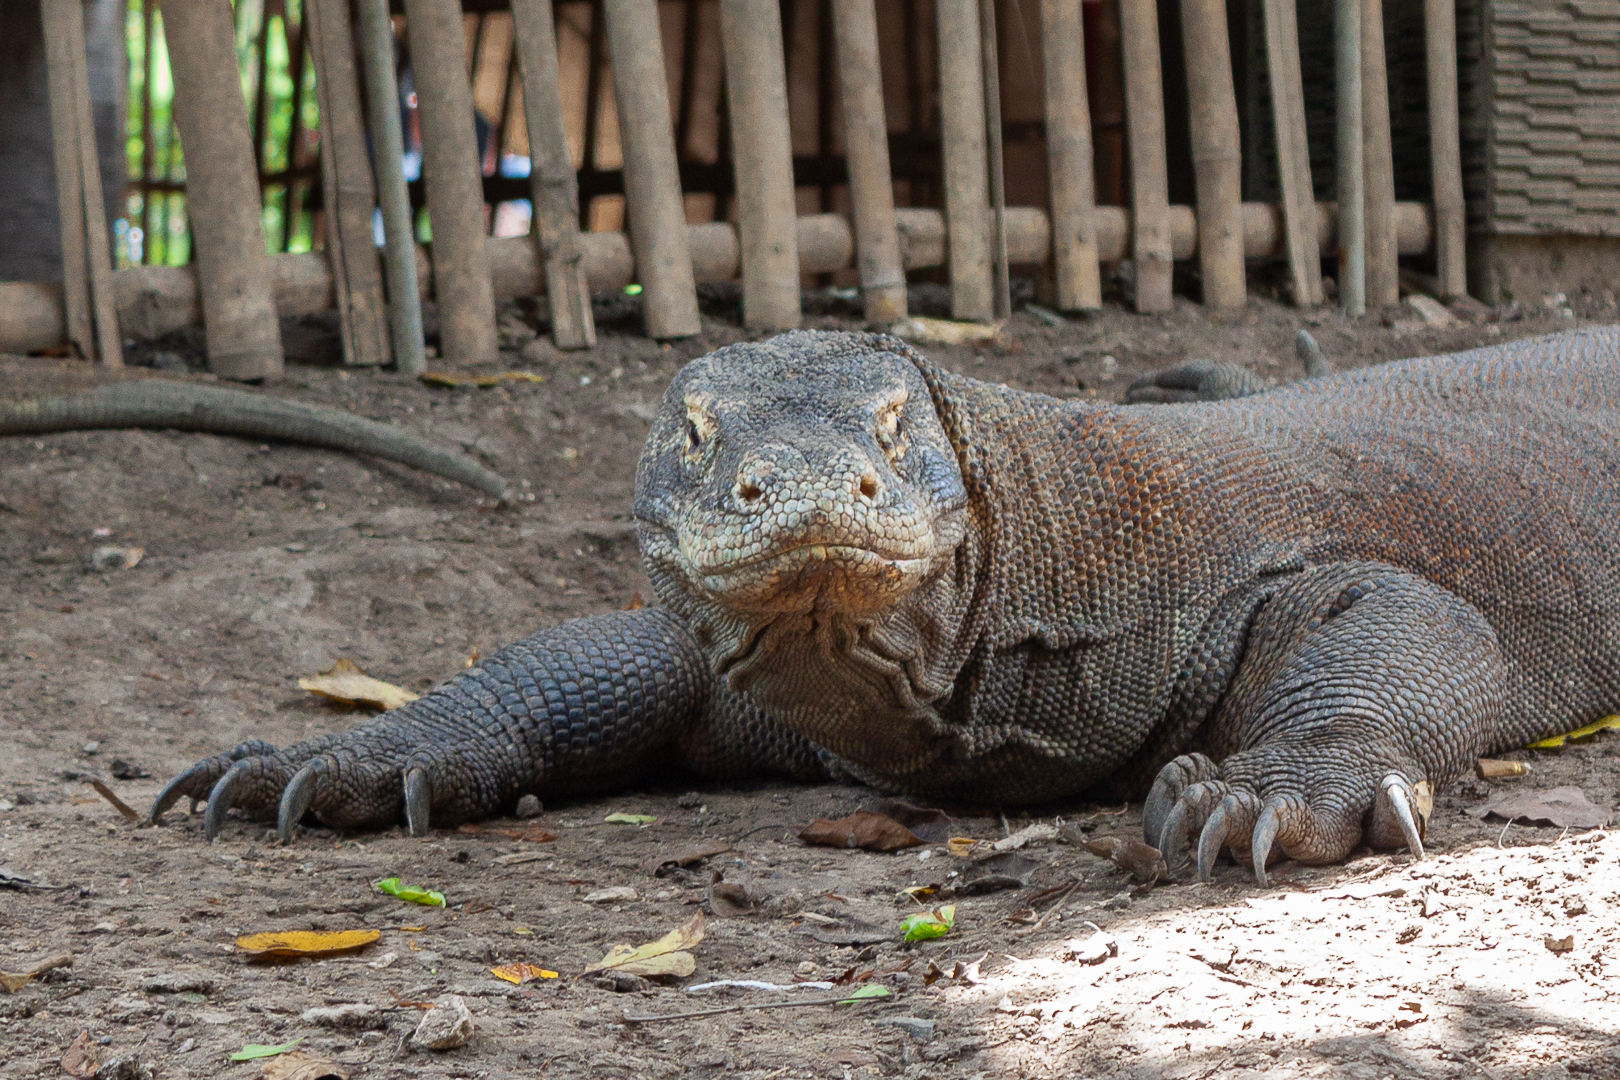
1359, 683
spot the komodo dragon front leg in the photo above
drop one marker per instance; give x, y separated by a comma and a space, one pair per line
1217, 380
595, 702
1360, 684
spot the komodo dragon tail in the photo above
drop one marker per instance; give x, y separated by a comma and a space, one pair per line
159, 403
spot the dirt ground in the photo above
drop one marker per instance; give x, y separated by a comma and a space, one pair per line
266, 563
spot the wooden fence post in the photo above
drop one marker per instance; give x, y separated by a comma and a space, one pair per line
967, 198
1216, 152
1445, 148
1069, 157
652, 182
1150, 186
866, 145
455, 181
222, 191
552, 178
59, 73
399, 239
1378, 162
350, 194
1293, 152
762, 156
1349, 146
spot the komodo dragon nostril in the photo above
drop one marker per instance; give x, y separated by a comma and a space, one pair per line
869, 487
747, 491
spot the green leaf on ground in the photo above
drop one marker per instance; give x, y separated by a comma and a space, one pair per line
630, 819
930, 924
414, 893
866, 993
254, 1051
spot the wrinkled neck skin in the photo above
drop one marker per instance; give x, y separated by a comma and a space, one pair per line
851, 634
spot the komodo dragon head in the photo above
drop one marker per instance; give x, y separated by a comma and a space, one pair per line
798, 497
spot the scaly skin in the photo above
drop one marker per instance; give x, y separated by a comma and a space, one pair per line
1294, 608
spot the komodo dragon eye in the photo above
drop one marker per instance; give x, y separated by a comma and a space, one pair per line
700, 427
891, 429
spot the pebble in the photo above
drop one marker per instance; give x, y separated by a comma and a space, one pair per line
918, 1028
354, 1014
447, 1025
609, 895
529, 807
176, 982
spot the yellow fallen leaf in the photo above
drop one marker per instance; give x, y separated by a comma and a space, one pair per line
961, 845
347, 682
664, 957
521, 973
1608, 723
306, 942
12, 983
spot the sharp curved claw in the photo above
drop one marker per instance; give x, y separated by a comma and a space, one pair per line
219, 799
1172, 840
418, 800
1399, 794
172, 791
295, 801
1210, 842
1156, 811
1265, 835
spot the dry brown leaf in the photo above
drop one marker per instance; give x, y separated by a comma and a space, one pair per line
347, 682
729, 900
663, 864
1142, 861
931, 826
81, 1057
862, 829
13, 983
306, 942
297, 1065
452, 379
664, 958
1567, 807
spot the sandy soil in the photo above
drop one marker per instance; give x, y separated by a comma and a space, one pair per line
265, 563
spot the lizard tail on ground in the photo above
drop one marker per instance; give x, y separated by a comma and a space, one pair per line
158, 403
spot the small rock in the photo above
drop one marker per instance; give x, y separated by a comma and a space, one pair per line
177, 982
91, 747
1118, 902
115, 558
447, 1025
529, 807
1092, 950
123, 770
918, 1028
354, 1014
128, 1067
610, 895
622, 982
806, 967
186, 1047
1432, 311
690, 801
1574, 905
385, 960
1559, 944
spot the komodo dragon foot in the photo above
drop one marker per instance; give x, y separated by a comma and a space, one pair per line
1369, 689
1217, 380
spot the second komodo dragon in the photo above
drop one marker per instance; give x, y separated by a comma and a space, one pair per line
1289, 614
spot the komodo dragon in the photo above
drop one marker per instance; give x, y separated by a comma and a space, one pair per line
1296, 609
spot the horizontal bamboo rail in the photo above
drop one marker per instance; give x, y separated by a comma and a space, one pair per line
153, 300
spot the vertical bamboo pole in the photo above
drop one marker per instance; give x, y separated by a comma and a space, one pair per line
552, 177
1293, 151
1445, 149
967, 198
1150, 186
1378, 161
1069, 157
455, 181
222, 192
1216, 152
1352, 194
762, 155
70, 203
866, 146
109, 343
652, 184
1002, 279
350, 194
388, 142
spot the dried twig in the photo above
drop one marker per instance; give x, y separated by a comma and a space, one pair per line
130, 814
756, 1006
1056, 904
